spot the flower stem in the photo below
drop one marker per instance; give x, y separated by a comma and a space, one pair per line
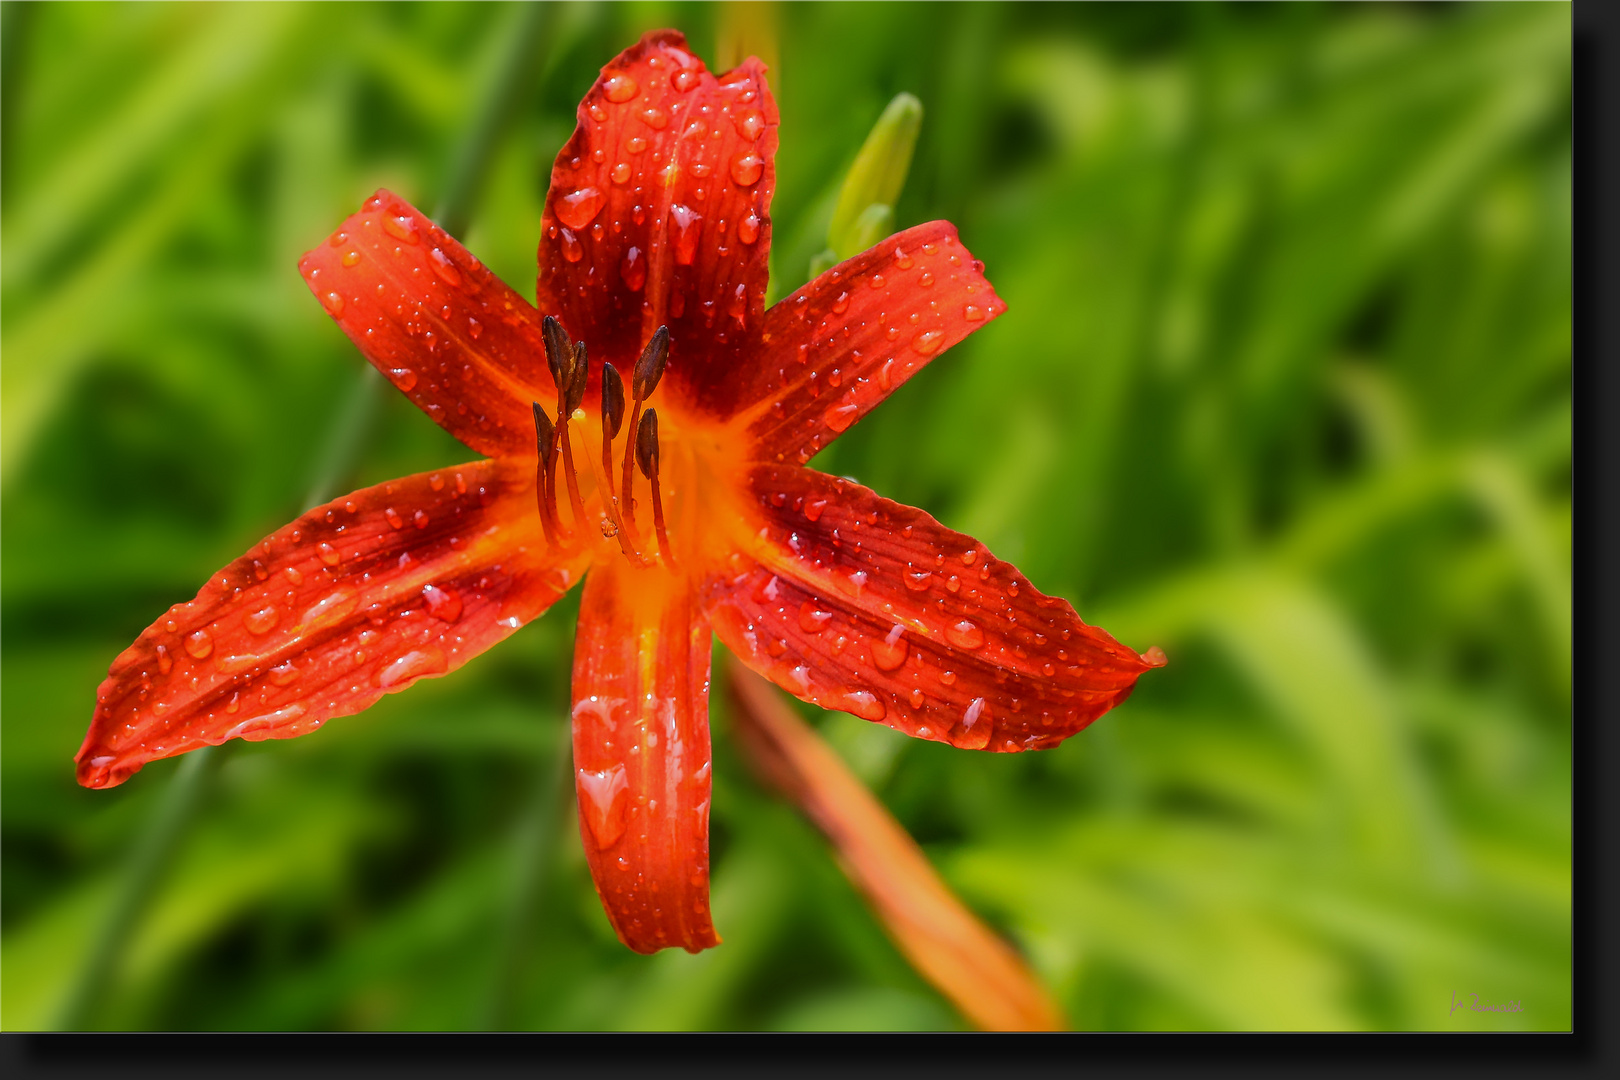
160, 840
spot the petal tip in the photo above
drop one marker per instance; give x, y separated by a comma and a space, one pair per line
1154, 657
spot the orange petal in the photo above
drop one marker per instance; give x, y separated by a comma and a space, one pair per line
857, 603
844, 342
659, 214
356, 599
641, 754
947, 945
456, 339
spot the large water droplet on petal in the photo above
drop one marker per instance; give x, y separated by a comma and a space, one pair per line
443, 267
577, 208
199, 644
602, 803
619, 89
262, 621
749, 124
928, 342
747, 167
688, 224
572, 249
890, 652
965, 634
403, 377
282, 674
334, 304
329, 611
975, 730
633, 268
684, 80
413, 665
839, 417
748, 227
812, 620
402, 227
329, 554
865, 704
443, 602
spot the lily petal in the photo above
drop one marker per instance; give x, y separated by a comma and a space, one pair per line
659, 214
853, 602
641, 754
455, 338
355, 599
844, 342
944, 941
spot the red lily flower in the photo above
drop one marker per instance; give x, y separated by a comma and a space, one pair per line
653, 253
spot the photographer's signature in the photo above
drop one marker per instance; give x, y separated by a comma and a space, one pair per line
1472, 1003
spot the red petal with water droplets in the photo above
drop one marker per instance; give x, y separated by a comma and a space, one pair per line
944, 941
845, 341
659, 214
641, 754
857, 603
456, 339
355, 599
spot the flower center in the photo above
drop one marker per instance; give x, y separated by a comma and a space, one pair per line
570, 369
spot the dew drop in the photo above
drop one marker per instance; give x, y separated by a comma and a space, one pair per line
621, 173
965, 634
684, 80
328, 611
890, 652
747, 167
749, 124
902, 259
402, 227
748, 227
413, 665
975, 734
635, 144
839, 417
865, 704
474, 327
329, 554
443, 267
688, 224
655, 118
973, 313
262, 621
927, 343
199, 645
165, 661
812, 620
813, 508
917, 698
602, 803
577, 208
282, 674
918, 580
443, 602
619, 89
572, 249
420, 518
633, 269
948, 678
351, 258
295, 575
841, 304
334, 304
403, 377
394, 520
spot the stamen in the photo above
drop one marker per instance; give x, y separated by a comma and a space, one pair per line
544, 438
569, 370
647, 458
643, 381
612, 418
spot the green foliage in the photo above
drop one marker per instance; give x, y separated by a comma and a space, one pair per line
1283, 387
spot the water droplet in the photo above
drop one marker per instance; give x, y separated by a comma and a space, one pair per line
598, 113
403, 377
865, 704
928, 342
402, 227
879, 281
1048, 670
841, 304
655, 118
165, 661
199, 645
890, 652
394, 520
976, 726
948, 678
777, 647
748, 227
953, 584
918, 580
329, 554
684, 80
857, 581
747, 167
572, 249
917, 698
688, 224
619, 89
633, 269
282, 674
902, 258
436, 482
965, 634
413, 665
328, 611
577, 208
351, 258
839, 417
421, 519
812, 620
749, 124
1155, 657
474, 327
443, 602
602, 803
621, 173
444, 268
635, 144
813, 508
926, 279
262, 621
334, 304
973, 313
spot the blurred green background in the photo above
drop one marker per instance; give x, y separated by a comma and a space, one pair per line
1283, 387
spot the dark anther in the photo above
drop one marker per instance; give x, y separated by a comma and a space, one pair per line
580, 376
612, 400
559, 352
650, 367
543, 434
647, 444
